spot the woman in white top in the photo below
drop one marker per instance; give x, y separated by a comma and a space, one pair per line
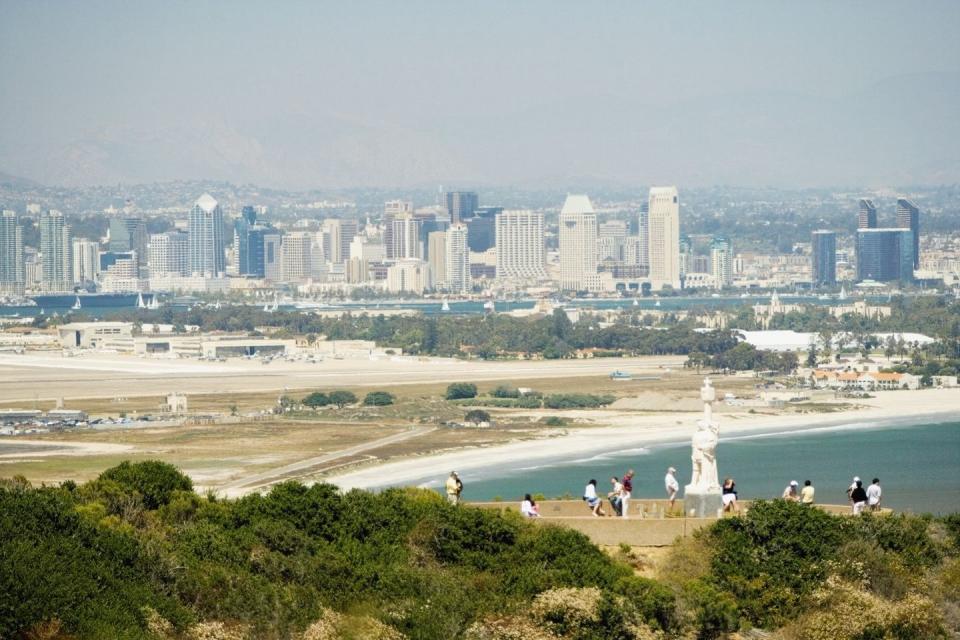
590, 495
529, 508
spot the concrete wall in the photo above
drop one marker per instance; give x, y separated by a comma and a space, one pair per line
648, 524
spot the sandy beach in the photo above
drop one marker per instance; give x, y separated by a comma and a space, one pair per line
632, 431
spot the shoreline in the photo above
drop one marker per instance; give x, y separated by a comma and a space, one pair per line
888, 409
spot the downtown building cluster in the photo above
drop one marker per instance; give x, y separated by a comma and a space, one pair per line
454, 247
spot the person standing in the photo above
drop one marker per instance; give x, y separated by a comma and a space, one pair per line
615, 495
858, 497
454, 488
853, 485
791, 493
806, 494
590, 495
874, 495
626, 493
671, 485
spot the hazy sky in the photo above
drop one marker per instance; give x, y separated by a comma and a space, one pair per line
298, 95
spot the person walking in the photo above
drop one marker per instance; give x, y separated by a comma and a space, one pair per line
729, 495
792, 492
454, 488
874, 495
806, 494
858, 497
590, 495
615, 495
626, 493
671, 485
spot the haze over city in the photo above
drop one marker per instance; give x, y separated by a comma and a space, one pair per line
538, 94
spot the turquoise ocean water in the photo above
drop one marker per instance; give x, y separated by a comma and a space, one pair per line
918, 466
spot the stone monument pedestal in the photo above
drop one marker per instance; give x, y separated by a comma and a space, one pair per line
700, 502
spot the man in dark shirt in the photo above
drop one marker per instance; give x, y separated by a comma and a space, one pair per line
859, 498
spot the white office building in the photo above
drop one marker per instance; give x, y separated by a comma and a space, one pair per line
169, 254
520, 255
664, 237
297, 256
411, 275
207, 257
578, 245
457, 260
86, 261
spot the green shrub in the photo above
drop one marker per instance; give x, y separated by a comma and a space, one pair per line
554, 421
713, 613
316, 399
378, 399
477, 416
459, 390
153, 480
576, 401
505, 391
342, 398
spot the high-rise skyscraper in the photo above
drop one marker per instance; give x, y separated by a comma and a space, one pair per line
457, 263
206, 238
884, 254
520, 245
86, 261
461, 205
339, 234
272, 255
297, 256
12, 269
664, 237
578, 244
483, 228
169, 254
437, 252
405, 237
824, 260
643, 238
392, 209
721, 262
908, 217
867, 216
55, 246
129, 233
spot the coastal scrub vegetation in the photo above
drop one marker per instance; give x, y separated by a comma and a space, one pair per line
136, 553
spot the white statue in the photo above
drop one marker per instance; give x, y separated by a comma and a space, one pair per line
705, 440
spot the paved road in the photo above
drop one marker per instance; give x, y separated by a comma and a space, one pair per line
290, 471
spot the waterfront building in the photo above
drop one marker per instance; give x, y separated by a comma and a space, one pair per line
867, 215
482, 231
520, 254
664, 237
86, 261
457, 260
461, 205
272, 255
297, 256
884, 255
643, 236
721, 259
405, 237
824, 259
12, 265
129, 233
578, 244
55, 246
410, 276
169, 254
437, 252
206, 238
391, 210
908, 217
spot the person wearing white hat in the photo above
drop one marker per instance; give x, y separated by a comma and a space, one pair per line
792, 492
671, 485
853, 485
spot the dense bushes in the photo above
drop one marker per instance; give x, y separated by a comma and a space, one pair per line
136, 550
378, 399
576, 401
460, 390
340, 398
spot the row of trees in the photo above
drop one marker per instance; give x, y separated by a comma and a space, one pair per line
341, 398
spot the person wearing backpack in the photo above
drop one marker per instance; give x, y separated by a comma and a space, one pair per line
627, 483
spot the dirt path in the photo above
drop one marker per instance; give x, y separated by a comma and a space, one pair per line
266, 478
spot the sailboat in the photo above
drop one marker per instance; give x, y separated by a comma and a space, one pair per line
843, 292
140, 303
636, 303
657, 304
445, 306
489, 306
154, 302
76, 304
